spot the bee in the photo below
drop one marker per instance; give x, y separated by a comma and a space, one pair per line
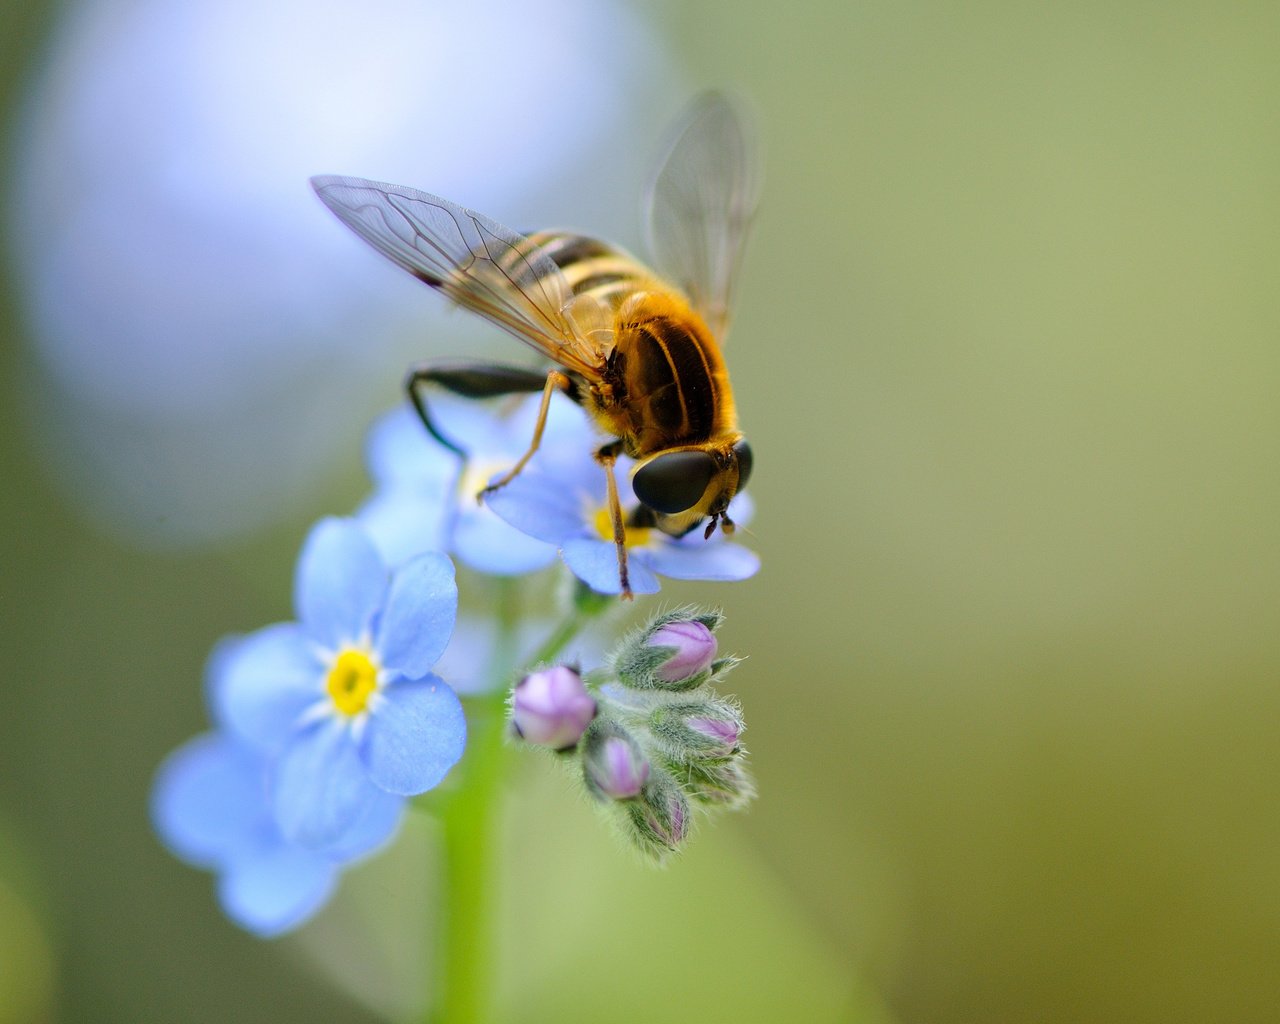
638, 351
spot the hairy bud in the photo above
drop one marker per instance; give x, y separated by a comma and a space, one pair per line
552, 707
659, 821
613, 764
674, 652
698, 729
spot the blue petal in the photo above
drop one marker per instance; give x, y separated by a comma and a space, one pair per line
399, 451
720, 560
260, 684
374, 827
277, 888
566, 435
490, 545
595, 562
406, 521
541, 506
421, 607
416, 735
340, 582
320, 786
743, 508
473, 425
223, 654
209, 800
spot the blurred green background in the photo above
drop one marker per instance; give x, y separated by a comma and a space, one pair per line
1007, 348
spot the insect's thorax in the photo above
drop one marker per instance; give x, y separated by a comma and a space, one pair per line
664, 383
666, 380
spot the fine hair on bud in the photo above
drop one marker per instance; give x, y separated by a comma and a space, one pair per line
725, 784
705, 729
658, 823
674, 651
551, 707
614, 765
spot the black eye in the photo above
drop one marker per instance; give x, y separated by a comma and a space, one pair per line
743, 451
675, 481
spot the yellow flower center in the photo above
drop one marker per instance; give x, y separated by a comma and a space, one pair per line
351, 679
636, 536
476, 476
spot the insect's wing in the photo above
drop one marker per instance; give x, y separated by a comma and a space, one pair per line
700, 205
477, 262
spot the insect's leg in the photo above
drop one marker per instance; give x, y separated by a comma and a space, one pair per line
470, 380
607, 457
554, 381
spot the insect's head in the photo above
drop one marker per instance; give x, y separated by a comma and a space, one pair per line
682, 486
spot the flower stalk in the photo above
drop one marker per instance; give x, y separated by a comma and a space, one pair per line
465, 943
468, 819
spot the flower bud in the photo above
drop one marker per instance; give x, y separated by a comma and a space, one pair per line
552, 707
613, 764
698, 729
694, 649
659, 821
725, 784
721, 734
674, 652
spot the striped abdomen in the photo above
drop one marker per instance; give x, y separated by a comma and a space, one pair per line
594, 267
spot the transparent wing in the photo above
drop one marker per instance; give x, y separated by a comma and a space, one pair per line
700, 205
477, 262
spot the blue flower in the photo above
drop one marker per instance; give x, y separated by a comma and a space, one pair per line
565, 504
419, 502
343, 700
210, 807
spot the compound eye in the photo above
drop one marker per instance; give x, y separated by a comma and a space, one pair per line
675, 481
743, 451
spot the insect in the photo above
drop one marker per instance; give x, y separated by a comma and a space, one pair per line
640, 352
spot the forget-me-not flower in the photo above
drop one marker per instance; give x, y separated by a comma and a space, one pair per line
566, 505
343, 700
210, 807
425, 498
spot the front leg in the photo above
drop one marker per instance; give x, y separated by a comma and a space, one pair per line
470, 380
608, 457
555, 381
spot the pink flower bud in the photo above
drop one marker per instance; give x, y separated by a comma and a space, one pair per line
666, 818
552, 707
722, 733
615, 768
695, 649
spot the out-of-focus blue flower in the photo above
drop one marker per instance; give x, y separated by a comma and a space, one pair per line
210, 807
566, 505
425, 499
475, 663
343, 700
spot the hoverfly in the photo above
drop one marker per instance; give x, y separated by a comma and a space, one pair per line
639, 352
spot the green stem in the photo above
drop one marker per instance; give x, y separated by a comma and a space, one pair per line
467, 851
586, 606
462, 986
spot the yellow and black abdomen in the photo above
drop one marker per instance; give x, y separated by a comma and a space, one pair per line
592, 267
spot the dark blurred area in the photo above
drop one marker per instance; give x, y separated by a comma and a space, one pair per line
1007, 352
